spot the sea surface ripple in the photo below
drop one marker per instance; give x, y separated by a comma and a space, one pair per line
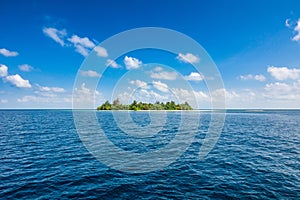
256, 157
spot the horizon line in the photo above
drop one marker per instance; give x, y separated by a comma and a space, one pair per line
200, 109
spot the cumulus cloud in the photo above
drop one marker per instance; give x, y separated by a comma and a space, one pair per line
3, 100
258, 77
49, 99
132, 63
142, 95
89, 73
188, 58
278, 86
124, 97
85, 42
194, 76
55, 34
160, 86
27, 98
149, 96
139, 83
83, 90
283, 91
15, 80
112, 63
284, 73
190, 96
3, 70
82, 50
297, 30
25, 68
220, 96
101, 52
51, 89
84, 97
18, 81
203, 99
159, 74
82, 45
158, 69
8, 53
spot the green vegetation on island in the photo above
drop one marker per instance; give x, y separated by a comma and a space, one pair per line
116, 105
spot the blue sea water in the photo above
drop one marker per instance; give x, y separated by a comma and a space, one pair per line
256, 157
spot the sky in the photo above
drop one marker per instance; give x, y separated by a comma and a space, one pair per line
254, 44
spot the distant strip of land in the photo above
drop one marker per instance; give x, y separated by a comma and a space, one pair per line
116, 105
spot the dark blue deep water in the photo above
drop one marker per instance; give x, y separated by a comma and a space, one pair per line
256, 157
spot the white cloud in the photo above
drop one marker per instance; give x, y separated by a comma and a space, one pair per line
49, 99
90, 73
278, 86
159, 74
112, 63
158, 69
83, 89
288, 23
124, 97
258, 77
18, 81
194, 76
190, 96
297, 30
4, 101
142, 95
31, 98
27, 99
55, 34
8, 53
85, 42
101, 52
82, 50
233, 99
51, 89
157, 96
200, 95
283, 91
228, 94
139, 83
273, 95
160, 86
132, 63
25, 68
149, 96
83, 97
188, 58
3, 70
284, 73
82, 45
221, 98
218, 94
245, 98
48, 94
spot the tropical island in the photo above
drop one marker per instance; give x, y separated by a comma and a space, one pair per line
116, 105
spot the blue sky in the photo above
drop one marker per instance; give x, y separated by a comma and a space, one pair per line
255, 45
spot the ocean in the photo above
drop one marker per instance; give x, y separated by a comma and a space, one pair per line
256, 156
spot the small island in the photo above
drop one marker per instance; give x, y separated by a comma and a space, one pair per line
116, 105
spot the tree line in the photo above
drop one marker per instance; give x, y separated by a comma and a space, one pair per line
116, 105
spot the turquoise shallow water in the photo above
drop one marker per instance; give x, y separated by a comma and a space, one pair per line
257, 156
